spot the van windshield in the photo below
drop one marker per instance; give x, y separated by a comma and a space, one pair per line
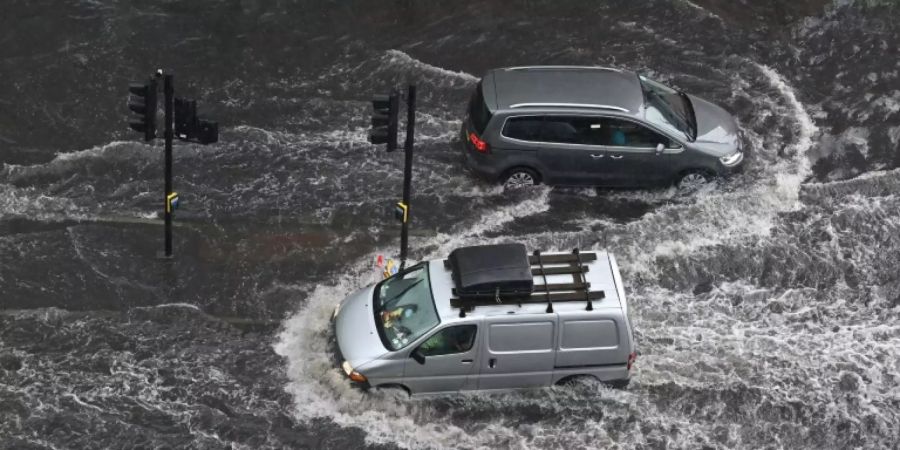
404, 307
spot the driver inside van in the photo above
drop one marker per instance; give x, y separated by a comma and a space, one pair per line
449, 340
394, 316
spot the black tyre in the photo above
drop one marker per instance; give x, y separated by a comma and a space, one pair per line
520, 177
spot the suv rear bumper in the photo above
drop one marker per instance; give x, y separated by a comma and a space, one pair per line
478, 165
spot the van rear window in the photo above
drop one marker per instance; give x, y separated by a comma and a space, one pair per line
478, 110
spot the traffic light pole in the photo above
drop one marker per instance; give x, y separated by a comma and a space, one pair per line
169, 94
181, 122
407, 168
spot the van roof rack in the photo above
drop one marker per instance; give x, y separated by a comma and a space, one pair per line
504, 274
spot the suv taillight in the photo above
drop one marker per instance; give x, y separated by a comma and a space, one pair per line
631, 358
479, 144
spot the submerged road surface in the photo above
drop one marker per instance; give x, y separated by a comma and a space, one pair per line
765, 308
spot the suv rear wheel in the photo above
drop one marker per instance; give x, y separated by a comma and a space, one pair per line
521, 177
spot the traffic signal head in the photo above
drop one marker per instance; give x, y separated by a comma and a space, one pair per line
185, 121
143, 103
189, 127
384, 120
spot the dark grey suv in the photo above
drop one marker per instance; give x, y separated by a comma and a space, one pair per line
570, 125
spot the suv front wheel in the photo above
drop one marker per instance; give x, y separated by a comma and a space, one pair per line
693, 180
521, 177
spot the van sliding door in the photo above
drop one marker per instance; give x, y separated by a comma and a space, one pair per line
518, 352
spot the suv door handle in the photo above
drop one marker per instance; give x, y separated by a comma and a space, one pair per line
597, 156
467, 361
616, 156
492, 362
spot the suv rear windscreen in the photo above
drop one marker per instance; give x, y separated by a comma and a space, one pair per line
478, 111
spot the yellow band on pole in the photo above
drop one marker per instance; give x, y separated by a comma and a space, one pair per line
405, 208
169, 199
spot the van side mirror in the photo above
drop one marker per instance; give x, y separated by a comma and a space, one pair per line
660, 148
418, 356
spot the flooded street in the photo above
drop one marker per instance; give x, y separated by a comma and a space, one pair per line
765, 307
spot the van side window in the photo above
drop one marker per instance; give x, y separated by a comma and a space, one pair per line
624, 133
456, 339
523, 128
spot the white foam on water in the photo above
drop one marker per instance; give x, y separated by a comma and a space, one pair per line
32, 203
403, 59
95, 152
713, 217
702, 9
534, 201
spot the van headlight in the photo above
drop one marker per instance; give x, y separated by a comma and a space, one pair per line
732, 159
354, 375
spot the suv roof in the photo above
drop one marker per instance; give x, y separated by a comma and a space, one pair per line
564, 87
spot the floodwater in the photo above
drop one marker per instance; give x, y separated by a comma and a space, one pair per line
765, 308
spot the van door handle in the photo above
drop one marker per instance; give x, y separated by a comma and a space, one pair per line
616, 156
597, 156
492, 362
467, 361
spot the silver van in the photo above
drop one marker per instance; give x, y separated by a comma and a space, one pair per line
489, 317
573, 125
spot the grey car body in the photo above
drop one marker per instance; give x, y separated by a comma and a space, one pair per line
572, 125
504, 346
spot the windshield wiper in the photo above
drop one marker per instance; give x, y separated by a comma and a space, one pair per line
691, 117
400, 294
666, 109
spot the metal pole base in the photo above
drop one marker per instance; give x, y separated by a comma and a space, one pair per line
164, 257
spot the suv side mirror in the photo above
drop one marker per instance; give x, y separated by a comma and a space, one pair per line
659, 148
418, 356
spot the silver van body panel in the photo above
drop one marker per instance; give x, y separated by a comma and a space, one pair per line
514, 346
355, 318
519, 351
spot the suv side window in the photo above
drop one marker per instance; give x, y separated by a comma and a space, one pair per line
625, 133
455, 339
526, 128
583, 130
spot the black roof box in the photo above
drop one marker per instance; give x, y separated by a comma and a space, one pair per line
485, 269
